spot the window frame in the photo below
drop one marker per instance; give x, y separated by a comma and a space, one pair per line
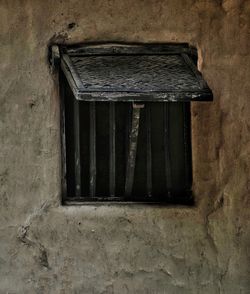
65, 197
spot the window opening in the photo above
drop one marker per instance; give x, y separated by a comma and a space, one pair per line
126, 121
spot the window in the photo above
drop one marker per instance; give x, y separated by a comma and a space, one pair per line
126, 122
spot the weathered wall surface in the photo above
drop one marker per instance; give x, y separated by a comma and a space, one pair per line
47, 248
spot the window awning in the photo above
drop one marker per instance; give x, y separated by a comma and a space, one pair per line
140, 73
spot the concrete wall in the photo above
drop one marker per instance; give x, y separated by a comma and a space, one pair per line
47, 248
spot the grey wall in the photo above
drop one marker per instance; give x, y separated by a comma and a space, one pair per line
47, 248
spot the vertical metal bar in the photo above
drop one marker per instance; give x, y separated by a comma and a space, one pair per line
112, 128
149, 151
187, 145
78, 187
127, 139
133, 136
128, 128
166, 147
92, 171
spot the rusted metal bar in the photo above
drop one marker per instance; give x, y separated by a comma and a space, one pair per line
166, 146
149, 151
77, 154
133, 136
92, 140
112, 128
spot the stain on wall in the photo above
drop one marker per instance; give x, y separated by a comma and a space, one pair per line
47, 248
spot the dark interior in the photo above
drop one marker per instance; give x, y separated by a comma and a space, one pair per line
171, 170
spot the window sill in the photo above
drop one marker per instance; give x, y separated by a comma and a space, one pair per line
186, 202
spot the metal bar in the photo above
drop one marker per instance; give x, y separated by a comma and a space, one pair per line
149, 151
128, 128
78, 189
112, 128
92, 171
166, 147
133, 136
127, 138
187, 145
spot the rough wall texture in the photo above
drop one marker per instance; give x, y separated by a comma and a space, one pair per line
47, 248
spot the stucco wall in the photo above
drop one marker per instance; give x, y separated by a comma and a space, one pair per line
47, 248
